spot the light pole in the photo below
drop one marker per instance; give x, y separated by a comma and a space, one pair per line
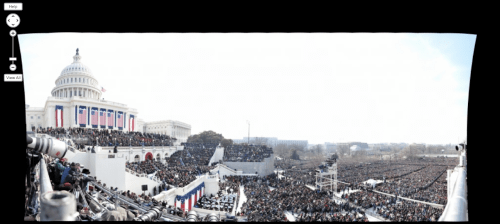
248, 132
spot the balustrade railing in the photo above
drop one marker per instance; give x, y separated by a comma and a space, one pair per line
457, 209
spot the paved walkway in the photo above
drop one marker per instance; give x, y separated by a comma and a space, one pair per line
243, 198
311, 187
409, 199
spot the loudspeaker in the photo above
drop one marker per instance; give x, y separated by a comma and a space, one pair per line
144, 187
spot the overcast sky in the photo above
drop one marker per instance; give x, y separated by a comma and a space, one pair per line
318, 87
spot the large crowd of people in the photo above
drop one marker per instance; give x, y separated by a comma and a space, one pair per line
246, 153
269, 197
194, 154
292, 190
106, 137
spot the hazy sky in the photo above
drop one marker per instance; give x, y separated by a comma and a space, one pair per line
318, 87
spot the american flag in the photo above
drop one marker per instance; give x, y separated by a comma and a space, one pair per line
110, 119
94, 116
59, 116
83, 115
120, 120
131, 123
102, 117
102, 89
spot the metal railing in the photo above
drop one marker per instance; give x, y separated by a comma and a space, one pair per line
456, 208
133, 204
45, 185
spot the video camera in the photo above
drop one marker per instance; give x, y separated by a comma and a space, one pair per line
49, 146
461, 146
152, 215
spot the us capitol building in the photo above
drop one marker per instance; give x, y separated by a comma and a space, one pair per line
76, 101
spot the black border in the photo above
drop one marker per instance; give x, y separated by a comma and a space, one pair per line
77, 16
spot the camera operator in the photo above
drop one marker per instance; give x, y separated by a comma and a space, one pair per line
59, 171
68, 178
67, 168
84, 181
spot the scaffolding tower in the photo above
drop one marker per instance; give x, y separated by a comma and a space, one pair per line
327, 177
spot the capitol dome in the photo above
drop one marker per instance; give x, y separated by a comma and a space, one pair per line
77, 67
76, 79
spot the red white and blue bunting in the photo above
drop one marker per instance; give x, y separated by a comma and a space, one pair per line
187, 201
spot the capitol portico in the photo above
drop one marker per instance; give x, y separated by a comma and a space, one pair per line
76, 101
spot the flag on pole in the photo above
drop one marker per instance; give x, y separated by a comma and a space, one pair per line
102, 89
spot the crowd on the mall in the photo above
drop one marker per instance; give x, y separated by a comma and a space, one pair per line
246, 153
270, 204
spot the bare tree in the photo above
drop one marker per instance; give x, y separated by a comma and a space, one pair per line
343, 149
317, 149
282, 151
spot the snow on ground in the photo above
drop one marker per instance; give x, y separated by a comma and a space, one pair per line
372, 218
311, 187
378, 181
346, 192
243, 198
289, 216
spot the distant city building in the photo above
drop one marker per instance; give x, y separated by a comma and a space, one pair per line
355, 148
419, 147
176, 129
271, 141
362, 145
330, 147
